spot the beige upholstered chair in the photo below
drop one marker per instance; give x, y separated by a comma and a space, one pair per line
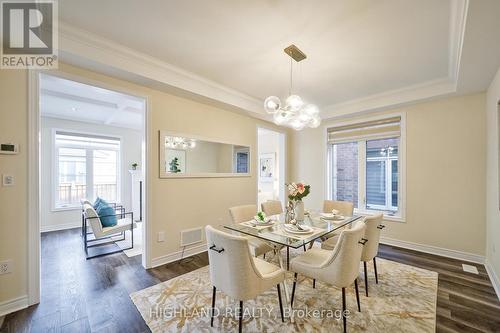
272, 207
235, 272
372, 234
246, 213
339, 267
373, 228
344, 207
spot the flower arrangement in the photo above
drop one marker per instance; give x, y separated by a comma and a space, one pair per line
297, 191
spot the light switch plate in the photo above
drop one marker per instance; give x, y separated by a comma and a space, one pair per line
161, 236
7, 180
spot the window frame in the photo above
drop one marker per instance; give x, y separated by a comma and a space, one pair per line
89, 167
400, 215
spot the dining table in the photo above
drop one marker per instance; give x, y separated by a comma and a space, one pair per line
279, 234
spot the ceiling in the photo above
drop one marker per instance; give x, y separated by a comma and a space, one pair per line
71, 100
358, 50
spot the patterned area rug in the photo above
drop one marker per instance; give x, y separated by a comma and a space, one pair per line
404, 300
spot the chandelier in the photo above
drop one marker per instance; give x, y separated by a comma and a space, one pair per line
178, 142
295, 113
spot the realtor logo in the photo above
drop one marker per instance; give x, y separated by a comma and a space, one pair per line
29, 37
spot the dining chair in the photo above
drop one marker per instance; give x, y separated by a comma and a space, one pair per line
345, 208
234, 271
272, 207
339, 267
245, 213
373, 228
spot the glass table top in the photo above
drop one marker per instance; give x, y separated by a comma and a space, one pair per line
275, 233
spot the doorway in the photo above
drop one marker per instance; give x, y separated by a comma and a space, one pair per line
271, 165
92, 144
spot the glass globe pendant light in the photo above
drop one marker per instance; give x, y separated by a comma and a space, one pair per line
295, 113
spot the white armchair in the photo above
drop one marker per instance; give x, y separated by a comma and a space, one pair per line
339, 267
91, 219
234, 271
246, 213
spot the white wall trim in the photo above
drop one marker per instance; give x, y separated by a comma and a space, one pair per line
439, 251
33, 188
76, 44
61, 226
495, 280
174, 256
13, 305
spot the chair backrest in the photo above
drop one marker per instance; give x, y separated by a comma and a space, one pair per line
232, 269
272, 207
243, 213
342, 268
85, 201
372, 233
93, 220
345, 208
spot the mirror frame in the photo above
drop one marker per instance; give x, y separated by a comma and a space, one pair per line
165, 175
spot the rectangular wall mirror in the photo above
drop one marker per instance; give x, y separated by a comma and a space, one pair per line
184, 155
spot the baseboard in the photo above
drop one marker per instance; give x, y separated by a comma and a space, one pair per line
191, 251
495, 280
63, 226
13, 305
439, 251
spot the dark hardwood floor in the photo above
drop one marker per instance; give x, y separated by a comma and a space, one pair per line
81, 295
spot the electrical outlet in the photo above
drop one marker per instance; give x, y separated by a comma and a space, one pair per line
7, 180
161, 236
5, 267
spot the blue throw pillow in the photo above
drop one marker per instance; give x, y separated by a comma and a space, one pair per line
106, 215
100, 202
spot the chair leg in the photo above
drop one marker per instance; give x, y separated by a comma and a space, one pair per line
240, 316
314, 283
264, 256
287, 258
366, 279
375, 268
344, 318
213, 307
281, 304
357, 293
311, 244
293, 288
304, 247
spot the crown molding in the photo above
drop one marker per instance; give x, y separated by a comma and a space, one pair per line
77, 44
392, 98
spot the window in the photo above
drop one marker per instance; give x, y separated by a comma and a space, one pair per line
86, 166
364, 165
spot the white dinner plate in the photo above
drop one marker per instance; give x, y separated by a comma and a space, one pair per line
333, 217
293, 229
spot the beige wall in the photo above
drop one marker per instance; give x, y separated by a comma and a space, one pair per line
13, 214
445, 180
492, 181
176, 203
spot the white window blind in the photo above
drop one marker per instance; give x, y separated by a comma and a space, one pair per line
376, 129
